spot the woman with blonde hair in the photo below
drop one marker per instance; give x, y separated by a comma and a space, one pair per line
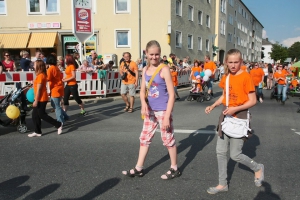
25, 61
40, 101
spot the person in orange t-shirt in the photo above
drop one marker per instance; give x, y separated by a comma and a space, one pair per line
241, 97
257, 75
71, 87
212, 67
280, 78
244, 67
174, 75
56, 85
129, 72
40, 101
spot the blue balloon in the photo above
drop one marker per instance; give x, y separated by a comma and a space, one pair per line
196, 73
30, 95
202, 74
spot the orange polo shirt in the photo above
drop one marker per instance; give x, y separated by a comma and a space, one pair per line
68, 71
55, 81
212, 66
40, 79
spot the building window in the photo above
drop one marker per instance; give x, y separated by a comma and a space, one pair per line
230, 19
231, 2
207, 21
178, 7
190, 41
123, 38
191, 13
3, 7
222, 27
200, 17
223, 6
234, 31
122, 6
42, 7
199, 43
178, 42
208, 1
207, 45
229, 37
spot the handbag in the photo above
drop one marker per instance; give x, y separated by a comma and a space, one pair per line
232, 126
149, 84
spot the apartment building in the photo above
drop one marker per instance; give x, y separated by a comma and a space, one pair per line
267, 45
183, 27
237, 27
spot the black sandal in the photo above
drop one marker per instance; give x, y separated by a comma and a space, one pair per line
126, 108
173, 174
136, 173
130, 110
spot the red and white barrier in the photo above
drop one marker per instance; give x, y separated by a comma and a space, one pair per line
89, 84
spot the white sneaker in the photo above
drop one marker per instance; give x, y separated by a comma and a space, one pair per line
34, 135
59, 130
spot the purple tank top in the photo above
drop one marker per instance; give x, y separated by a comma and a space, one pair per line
158, 95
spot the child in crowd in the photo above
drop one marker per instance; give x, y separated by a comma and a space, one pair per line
174, 75
85, 67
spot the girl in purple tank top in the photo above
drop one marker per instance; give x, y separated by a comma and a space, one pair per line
158, 111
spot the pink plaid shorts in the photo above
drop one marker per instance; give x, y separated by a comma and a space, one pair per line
151, 122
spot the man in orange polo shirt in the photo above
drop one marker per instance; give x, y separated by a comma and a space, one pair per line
211, 66
129, 74
257, 75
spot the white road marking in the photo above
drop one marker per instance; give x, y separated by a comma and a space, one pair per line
199, 131
297, 133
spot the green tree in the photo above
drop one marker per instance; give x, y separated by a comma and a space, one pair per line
294, 51
279, 52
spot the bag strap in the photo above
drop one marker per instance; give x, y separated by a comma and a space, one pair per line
227, 90
156, 72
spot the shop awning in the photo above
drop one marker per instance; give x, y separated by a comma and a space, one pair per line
42, 40
14, 40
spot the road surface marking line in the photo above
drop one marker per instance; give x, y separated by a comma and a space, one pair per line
199, 131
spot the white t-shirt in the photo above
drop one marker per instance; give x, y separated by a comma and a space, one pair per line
266, 71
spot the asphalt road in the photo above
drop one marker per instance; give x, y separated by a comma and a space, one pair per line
86, 161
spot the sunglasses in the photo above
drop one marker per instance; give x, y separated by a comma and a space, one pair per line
7, 55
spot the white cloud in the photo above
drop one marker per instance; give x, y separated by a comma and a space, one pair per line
264, 34
289, 41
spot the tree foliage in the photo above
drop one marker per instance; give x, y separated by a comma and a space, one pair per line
294, 51
279, 52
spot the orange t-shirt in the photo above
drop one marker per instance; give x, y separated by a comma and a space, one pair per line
174, 75
257, 75
245, 68
212, 66
55, 82
282, 75
239, 88
195, 69
198, 81
68, 71
294, 83
41, 79
129, 78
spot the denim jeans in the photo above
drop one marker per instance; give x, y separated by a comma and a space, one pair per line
236, 146
281, 89
258, 92
61, 115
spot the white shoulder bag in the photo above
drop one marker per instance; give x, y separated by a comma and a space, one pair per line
232, 126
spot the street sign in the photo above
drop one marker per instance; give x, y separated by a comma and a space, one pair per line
82, 16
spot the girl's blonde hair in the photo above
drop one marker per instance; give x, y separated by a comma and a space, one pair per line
229, 53
151, 44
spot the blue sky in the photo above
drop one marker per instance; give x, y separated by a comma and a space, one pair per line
280, 18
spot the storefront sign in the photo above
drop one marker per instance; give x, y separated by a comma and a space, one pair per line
42, 25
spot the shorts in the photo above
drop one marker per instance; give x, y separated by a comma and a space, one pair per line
151, 123
128, 88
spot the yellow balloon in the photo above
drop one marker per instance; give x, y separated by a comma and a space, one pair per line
12, 112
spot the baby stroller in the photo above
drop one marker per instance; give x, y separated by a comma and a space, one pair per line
274, 93
199, 96
13, 98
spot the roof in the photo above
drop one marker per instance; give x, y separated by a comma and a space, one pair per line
266, 42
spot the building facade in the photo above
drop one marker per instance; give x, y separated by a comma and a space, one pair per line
237, 27
184, 27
